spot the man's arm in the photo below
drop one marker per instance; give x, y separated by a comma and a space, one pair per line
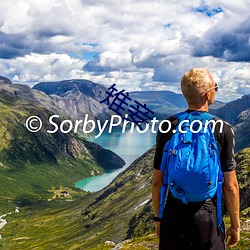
156, 187
231, 195
157, 178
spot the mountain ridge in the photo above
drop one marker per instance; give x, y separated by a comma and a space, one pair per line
78, 97
58, 159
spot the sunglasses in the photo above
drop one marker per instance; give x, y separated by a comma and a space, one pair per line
216, 87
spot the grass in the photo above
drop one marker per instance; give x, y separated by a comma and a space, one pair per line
51, 225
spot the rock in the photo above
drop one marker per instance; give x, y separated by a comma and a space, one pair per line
109, 243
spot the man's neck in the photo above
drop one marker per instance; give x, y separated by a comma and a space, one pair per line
198, 107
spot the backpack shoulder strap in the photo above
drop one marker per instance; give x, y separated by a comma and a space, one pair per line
208, 116
182, 115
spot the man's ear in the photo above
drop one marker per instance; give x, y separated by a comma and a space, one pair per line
207, 95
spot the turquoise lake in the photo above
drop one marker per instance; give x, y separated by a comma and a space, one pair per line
129, 146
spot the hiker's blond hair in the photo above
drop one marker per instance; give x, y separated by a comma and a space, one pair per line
195, 83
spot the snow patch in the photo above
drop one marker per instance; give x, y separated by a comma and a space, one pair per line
142, 204
4, 222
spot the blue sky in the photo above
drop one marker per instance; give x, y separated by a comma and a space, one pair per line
139, 45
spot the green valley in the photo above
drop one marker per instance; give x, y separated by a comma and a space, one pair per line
121, 213
32, 163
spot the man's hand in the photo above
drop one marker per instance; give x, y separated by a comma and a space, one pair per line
157, 228
233, 236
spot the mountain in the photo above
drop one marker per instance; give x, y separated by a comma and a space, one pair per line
124, 208
243, 174
4, 80
31, 164
232, 110
80, 97
163, 103
242, 130
237, 114
216, 105
77, 98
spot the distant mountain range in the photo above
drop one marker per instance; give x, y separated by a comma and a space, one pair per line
79, 97
163, 103
232, 110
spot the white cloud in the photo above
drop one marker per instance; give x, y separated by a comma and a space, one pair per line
35, 68
140, 44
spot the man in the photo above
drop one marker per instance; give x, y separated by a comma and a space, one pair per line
194, 225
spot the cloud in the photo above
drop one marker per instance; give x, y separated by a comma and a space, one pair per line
34, 68
230, 45
143, 45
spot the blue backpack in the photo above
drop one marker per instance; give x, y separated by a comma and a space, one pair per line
191, 162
